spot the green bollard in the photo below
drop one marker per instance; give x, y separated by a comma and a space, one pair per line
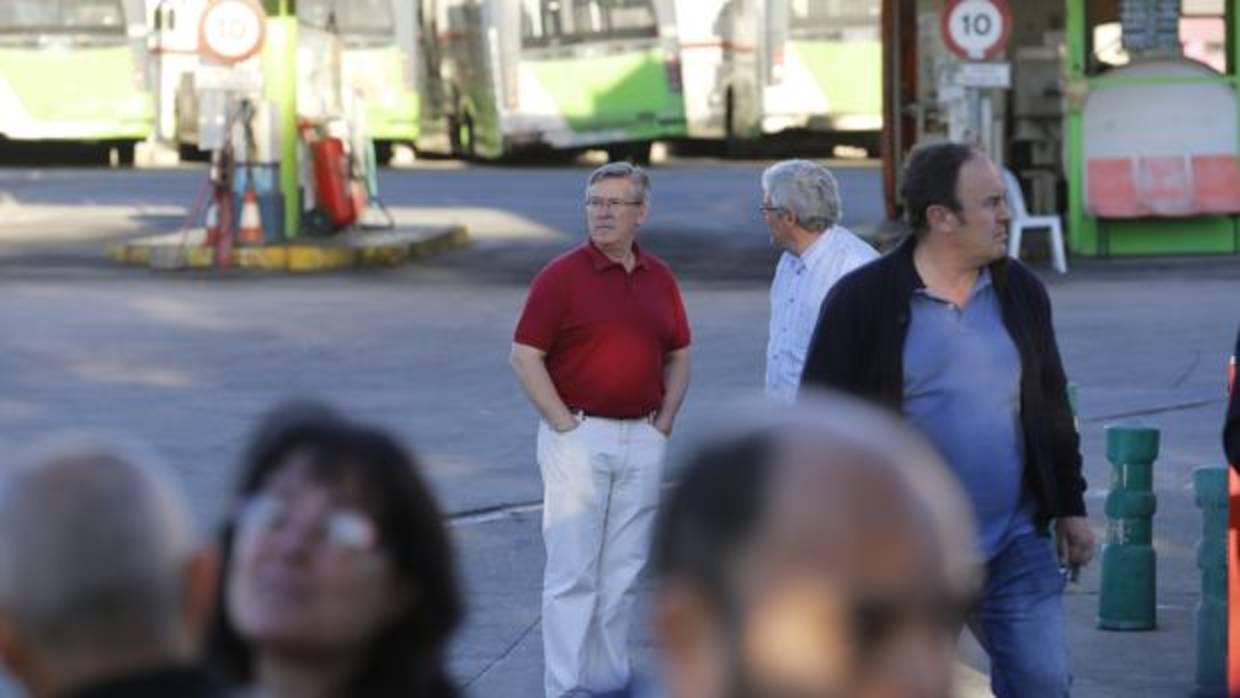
1210, 485
1127, 597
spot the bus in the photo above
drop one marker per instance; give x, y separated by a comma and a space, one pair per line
500, 76
823, 68
721, 59
754, 67
69, 72
376, 62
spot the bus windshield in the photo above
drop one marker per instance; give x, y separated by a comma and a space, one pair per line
840, 19
100, 17
559, 22
355, 19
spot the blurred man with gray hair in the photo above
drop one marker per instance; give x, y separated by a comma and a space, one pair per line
816, 551
102, 589
801, 207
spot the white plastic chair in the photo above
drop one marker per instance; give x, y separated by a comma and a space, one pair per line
1022, 220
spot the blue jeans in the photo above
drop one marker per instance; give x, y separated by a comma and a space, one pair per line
1020, 621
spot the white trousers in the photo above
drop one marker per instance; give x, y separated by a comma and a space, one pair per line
600, 490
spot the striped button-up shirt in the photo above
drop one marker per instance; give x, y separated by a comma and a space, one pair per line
800, 285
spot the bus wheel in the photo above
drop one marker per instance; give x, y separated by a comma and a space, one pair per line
120, 153
734, 145
383, 152
637, 153
461, 135
468, 145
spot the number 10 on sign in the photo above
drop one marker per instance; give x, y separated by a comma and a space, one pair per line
976, 29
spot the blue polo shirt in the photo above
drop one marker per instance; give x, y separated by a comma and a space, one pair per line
962, 388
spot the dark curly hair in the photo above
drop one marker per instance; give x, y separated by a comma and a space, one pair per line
406, 660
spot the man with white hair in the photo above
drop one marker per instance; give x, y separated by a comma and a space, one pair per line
102, 592
801, 207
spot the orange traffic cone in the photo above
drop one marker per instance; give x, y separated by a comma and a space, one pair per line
212, 224
251, 230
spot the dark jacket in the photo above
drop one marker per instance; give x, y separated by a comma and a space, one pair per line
166, 682
1231, 427
858, 347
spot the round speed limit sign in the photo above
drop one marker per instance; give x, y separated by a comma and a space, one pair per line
976, 29
232, 30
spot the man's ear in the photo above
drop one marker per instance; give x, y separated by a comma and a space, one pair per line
202, 583
689, 638
677, 618
644, 213
939, 216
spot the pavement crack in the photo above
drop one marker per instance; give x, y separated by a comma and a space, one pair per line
507, 651
1192, 366
1159, 409
487, 514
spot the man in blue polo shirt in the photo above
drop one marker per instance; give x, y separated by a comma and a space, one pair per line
950, 332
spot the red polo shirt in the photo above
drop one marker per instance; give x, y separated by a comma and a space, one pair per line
606, 331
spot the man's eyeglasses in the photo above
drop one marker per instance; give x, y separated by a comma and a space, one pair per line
770, 209
597, 202
341, 529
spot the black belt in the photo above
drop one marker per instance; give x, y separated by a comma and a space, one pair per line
583, 413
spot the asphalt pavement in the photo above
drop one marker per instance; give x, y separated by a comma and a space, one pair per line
188, 360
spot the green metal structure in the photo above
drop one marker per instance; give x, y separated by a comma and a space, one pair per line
1093, 235
280, 73
1123, 116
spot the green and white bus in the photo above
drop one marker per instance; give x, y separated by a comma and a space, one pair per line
823, 67
721, 52
754, 67
376, 61
503, 75
69, 72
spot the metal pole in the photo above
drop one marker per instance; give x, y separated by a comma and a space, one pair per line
280, 70
1210, 486
973, 102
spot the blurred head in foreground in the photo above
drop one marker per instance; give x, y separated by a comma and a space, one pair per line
337, 568
819, 551
101, 580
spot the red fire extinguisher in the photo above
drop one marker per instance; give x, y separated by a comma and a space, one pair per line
331, 181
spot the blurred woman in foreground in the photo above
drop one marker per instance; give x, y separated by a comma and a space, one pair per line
338, 578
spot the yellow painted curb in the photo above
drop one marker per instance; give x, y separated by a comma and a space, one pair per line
140, 256
302, 258
264, 258
458, 236
199, 257
383, 255
157, 253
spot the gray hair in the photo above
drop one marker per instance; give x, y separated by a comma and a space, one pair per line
94, 542
622, 170
806, 190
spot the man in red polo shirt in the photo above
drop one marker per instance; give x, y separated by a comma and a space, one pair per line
602, 351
